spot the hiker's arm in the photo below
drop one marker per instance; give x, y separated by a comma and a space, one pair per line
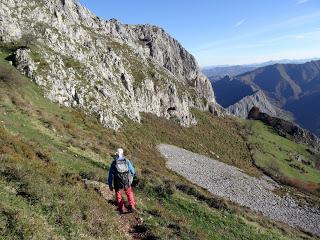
110, 177
131, 168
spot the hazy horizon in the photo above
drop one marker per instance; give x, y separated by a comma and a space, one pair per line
302, 60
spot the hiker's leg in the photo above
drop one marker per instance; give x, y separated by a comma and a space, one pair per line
130, 197
119, 200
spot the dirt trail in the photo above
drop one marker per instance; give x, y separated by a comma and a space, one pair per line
131, 223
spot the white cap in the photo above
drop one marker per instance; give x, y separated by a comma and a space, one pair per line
119, 152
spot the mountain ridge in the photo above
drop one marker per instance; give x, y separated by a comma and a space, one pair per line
260, 100
285, 86
82, 61
216, 72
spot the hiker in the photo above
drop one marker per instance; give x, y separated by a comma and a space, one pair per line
120, 178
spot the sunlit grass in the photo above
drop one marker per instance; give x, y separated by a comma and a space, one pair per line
46, 150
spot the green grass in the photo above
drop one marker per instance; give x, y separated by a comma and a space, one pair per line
42, 65
274, 154
72, 63
211, 136
45, 150
213, 224
42, 200
44, 196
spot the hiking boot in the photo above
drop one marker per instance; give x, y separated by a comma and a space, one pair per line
131, 209
121, 210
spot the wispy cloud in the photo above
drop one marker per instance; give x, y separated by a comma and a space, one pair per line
239, 23
302, 1
285, 24
262, 57
280, 39
286, 54
299, 37
250, 46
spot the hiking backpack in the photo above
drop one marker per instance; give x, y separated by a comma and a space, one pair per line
122, 177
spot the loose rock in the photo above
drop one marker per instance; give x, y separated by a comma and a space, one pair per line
231, 183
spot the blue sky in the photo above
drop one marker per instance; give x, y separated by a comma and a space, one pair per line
221, 32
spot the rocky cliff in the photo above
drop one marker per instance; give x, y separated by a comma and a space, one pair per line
103, 67
260, 100
257, 99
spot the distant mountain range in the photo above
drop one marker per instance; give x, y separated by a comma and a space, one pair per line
217, 72
293, 91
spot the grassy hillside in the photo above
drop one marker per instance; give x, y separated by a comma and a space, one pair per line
286, 161
46, 150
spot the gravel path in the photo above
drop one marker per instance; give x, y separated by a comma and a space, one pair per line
231, 183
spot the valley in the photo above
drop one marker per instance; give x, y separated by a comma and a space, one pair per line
287, 90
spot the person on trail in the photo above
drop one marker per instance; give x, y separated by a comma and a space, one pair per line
120, 178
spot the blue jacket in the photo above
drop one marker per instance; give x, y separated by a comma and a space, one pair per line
113, 169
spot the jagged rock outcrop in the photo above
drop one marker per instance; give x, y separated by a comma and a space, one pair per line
257, 99
103, 67
286, 129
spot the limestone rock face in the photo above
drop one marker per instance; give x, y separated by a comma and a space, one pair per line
260, 100
257, 99
103, 67
24, 62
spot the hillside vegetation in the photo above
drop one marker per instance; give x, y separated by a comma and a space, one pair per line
286, 161
46, 150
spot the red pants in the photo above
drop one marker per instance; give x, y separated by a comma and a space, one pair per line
130, 198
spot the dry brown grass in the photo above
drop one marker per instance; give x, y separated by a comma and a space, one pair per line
313, 188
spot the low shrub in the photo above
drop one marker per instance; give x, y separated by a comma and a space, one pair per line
213, 202
11, 174
164, 190
70, 179
87, 175
313, 188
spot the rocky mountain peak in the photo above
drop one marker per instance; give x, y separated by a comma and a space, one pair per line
103, 67
260, 100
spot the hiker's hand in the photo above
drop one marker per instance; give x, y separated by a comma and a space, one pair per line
111, 188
